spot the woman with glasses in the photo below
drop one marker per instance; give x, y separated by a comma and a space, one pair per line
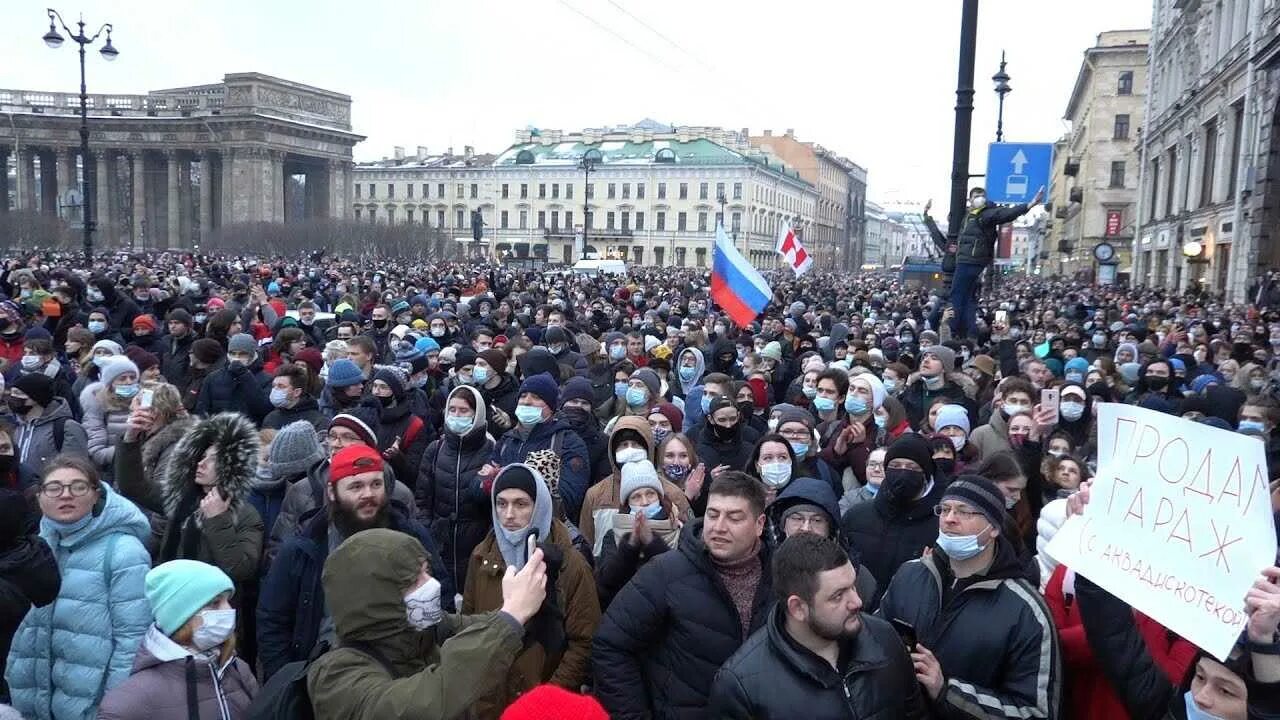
67, 654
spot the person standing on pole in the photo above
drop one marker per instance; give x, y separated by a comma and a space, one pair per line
975, 249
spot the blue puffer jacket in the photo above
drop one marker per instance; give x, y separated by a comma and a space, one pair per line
66, 655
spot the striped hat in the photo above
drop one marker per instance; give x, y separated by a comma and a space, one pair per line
980, 494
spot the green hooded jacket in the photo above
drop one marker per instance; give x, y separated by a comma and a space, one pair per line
365, 580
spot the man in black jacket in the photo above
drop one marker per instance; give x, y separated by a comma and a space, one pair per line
987, 644
685, 612
819, 651
975, 249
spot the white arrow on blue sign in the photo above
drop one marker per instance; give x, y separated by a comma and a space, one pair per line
1015, 171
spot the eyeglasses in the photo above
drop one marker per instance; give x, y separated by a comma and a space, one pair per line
958, 510
874, 465
78, 488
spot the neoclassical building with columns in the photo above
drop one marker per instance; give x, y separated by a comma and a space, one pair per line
172, 167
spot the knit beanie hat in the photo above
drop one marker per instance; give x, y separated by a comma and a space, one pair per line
639, 474
552, 702
144, 322
952, 415
516, 477
650, 380
944, 354
393, 378
178, 590
427, 345
794, 414
244, 343
465, 357
877, 388
496, 359
772, 350
544, 387
294, 450
37, 386
980, 494
803, 507
143, 359
407, 352
206, 350
354, 460
357, 425
1077, 365
578, 388
312, 358
344, 373
179, 315
113, 347
115, 367
915, 448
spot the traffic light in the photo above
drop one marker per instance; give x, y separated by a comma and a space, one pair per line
477, 225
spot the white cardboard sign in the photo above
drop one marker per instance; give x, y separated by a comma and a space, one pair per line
1178, 525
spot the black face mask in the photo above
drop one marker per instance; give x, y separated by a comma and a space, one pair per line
19, 407
1156, 382
946, 466
576, 417
387, 401
900, 487
722, 433
380, 323
6, 464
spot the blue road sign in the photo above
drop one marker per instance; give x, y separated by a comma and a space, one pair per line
1015, 171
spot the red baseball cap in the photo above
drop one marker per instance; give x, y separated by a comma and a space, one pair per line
354, 460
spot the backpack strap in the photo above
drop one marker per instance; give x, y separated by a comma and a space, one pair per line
59, 432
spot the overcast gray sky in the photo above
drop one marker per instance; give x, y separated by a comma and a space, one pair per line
874, 81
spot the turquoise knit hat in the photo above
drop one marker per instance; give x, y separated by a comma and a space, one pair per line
179, 588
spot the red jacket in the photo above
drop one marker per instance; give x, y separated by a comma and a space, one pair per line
1089, 694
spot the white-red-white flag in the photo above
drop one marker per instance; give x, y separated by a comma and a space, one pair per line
792, 250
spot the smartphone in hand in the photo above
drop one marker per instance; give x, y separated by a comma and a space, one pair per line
1049, 398
906, 631
145, 397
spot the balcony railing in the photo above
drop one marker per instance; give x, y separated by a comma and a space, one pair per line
47, 103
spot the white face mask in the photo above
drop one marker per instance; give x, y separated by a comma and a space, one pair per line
628, 455
216, 626
423, 605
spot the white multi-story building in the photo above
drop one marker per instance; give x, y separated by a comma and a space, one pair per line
653, 198
1207, 196
877, 224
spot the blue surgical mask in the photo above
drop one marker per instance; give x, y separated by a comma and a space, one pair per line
960, 547
620, 389
800, 448
809, 392
528, 414
651, 511
1255, 425
1075, 377
687, 374
1194, 712
459, 424
1072, 411
127, 391
617, 352
881, 421
775, 475
101, 362
279, 397
480, 374
890, 386
636, 396
824, 404
97, 326
706, 403
855, 405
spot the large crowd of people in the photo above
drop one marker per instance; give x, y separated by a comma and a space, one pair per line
243, 488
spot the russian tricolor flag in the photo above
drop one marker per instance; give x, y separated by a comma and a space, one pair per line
739, 289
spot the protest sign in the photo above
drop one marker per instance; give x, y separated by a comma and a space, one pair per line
1178, 524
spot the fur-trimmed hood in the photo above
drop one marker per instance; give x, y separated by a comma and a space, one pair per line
965, 383
237, 442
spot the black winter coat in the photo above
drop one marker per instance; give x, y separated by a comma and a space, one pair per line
977, 239
772, 676
450, 498
239, 390
28, 576
887, 536
992, 633
175, 361
668, 631
307, 410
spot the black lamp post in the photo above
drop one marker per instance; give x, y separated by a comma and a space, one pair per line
109, 53
1001, 79
588, 164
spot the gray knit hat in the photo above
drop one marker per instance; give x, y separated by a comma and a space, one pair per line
651, 381
294, 450
639, 474
242, 342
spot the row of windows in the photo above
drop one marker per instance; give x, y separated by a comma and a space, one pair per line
555, 220
551, 191
1172, 168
